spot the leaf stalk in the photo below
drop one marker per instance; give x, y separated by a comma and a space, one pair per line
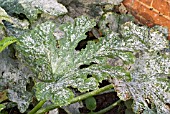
76, 99
37, 107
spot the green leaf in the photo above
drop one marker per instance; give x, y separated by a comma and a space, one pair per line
2, 107
58, 94
149, 86
142, 38
31, 8
14, 78
148, 71
6, 42
38, 50
90, 103
57, 64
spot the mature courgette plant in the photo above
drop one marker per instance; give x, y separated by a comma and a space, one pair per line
150, 82
133, 59
58, 69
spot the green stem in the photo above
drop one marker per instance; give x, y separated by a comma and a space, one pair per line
103, 111
76, 99
37, 107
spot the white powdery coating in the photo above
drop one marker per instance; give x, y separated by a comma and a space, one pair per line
50, 6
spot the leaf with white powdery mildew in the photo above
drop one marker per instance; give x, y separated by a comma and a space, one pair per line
150, 84
31, 8
14, 77
59, 68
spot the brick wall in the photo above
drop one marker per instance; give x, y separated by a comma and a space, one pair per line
150, 12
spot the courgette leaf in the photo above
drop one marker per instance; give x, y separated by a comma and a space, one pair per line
6, 42
14, 77
57, 64
38, 49
150, 82
31, 8
2, 107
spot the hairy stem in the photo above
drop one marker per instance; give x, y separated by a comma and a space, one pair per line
37, 107
76, 99
103, 111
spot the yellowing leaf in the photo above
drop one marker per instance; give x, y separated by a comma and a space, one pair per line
4, 16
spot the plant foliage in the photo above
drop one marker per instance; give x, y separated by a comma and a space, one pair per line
13, 79
135, 59
59, 68
2, 107
6, 42
150, 82
90, 103
31, 8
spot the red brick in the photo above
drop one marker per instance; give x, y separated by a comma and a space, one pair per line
147, 2
162, 6
150, 12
